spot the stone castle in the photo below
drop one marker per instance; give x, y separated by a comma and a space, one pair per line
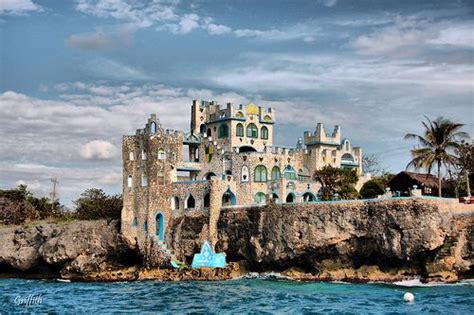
226, 159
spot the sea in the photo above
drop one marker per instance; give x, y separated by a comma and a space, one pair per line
257, 295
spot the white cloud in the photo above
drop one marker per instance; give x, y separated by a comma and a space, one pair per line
411, 36
188, 23
90, 41
313, 72
111, 69
328, 3
457, 35
140, 14
98, 150
217, 29
306, 31
18, 7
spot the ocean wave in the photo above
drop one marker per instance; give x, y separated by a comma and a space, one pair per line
264, 276
417, 283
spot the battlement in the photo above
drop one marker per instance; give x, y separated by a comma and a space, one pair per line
211, 112
320, 136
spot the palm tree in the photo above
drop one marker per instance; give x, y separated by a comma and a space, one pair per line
440, 138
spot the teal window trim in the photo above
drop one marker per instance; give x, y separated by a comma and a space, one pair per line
252, 131
240, 130
260, 175
264, 133
223, 131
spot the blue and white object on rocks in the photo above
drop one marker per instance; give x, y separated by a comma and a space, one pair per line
208, 259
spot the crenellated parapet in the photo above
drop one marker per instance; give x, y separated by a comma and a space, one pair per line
320, 136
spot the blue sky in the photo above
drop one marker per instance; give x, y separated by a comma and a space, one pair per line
76, 75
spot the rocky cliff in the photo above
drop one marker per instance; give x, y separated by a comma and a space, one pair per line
384, 240
388, 240
47, 249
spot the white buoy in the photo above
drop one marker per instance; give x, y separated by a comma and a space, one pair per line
409, 297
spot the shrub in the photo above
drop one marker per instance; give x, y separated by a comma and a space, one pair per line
372, 189
95, 204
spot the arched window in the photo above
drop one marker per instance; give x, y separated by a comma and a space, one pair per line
347, 158
252, 131
309, 197
290, 198
240, 130
228, 198
223, 131
175, 203
144, 180
260, 174
145, 226
209, 175
135, 221
239, 115
347, 145
143, 155
160, 226
209, 132
207, 200
264, 132
289, 172
153, 127
245, 174
190, 202
259, 198
276, 198
303, 174
129, 181
276, 173
161, 154
202, 129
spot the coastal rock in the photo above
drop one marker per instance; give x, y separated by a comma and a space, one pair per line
336, 240
78, 247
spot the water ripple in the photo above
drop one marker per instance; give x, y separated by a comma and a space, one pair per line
262, 296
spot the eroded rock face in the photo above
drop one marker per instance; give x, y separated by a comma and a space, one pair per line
78, 247
323, 237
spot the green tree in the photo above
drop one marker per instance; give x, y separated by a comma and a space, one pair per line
437, 143
95, 204
337, 181
465, 153
372, 188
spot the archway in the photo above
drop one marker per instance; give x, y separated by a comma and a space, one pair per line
160, 226
290, 198
209, 175
190, 202
202, 129
247, 148
207, 200
276, 198
175, 203
259, 198
228, 198
309, 197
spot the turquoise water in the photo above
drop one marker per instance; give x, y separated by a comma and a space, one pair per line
237, 296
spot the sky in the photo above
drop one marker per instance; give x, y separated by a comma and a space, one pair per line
77, 75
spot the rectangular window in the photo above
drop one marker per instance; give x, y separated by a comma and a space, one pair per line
131, 157
143, 155
144, 181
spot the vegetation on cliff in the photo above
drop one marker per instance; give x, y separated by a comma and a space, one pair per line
438, 143
337, 183
19, 205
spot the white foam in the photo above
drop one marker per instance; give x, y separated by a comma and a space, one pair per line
417, 283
